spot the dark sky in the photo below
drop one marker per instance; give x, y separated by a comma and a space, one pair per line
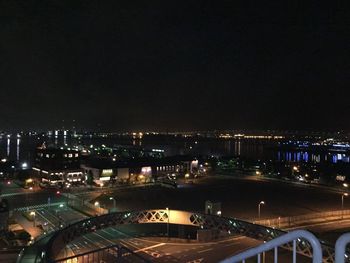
177, 65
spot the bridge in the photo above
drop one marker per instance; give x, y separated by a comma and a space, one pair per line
48, 248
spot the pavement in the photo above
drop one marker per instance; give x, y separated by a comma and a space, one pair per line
34, 231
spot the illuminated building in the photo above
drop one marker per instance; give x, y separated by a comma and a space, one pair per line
55, 166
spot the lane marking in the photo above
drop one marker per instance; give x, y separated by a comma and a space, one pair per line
150, 247
46, 219
93, 242
205, 250
230, 244
198, 260
108, 240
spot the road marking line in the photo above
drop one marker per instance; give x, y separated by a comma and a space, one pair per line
198, 260
93, 242
46, 219
104, 238
126, 244
205, 250
150, 247
230, 244
231, 239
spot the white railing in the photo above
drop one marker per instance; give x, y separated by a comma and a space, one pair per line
340, 247
273, 244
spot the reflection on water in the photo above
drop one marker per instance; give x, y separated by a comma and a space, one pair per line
17, 149
312, 157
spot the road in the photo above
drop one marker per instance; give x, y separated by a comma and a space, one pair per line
239, 198
157, 250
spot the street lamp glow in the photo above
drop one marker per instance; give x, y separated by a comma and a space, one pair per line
345, 185
33, 215
259, 208
97, 203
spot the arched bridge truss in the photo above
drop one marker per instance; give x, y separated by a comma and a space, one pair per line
203, 221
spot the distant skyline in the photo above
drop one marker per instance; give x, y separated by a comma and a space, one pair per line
174, 66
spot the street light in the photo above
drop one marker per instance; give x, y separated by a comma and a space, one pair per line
342, 204
167, 225
97, 204
259, 205
345, 185
114, 203
33, 215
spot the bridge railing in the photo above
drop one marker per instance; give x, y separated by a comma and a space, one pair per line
106, 254
340, 248
224, 226
296, 237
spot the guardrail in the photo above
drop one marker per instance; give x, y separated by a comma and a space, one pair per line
294, 236
283, 222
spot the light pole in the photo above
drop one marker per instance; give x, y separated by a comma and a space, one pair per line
33, 215
167, 225
342, 204
279, 222
97, 204
259, 207
114, 203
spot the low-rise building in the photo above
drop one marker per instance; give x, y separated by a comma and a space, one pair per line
137, 170
55, 166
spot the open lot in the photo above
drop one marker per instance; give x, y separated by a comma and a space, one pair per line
239, 198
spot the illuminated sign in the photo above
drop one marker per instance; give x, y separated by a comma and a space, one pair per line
107, 172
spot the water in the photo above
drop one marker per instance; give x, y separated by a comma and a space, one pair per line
21, 149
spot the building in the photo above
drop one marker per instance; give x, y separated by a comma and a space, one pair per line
56, 166
138, 170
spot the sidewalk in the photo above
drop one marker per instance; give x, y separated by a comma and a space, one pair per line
28, 225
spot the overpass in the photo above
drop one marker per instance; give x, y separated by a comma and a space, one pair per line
48, 248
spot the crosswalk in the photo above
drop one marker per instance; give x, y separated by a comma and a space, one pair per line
21, 209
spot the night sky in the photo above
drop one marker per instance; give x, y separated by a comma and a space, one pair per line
174, 65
